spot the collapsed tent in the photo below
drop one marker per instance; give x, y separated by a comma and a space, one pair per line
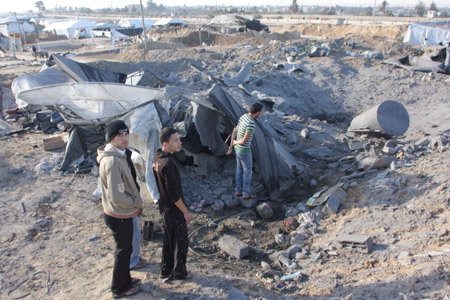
438, 61
59, 70
428, 34
146, 111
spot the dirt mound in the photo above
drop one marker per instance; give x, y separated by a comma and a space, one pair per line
336, 31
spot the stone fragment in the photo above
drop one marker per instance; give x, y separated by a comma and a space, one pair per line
333, 203
249, 203
281, 239
361, 242
218, 205
305, 133
265, 266
230, 203
233, 246
265, 210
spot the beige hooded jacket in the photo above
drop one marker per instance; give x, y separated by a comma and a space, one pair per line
120, 196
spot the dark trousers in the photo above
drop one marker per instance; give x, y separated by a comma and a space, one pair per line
123, 236
175, 245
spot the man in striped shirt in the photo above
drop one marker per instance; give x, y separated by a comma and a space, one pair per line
241, 140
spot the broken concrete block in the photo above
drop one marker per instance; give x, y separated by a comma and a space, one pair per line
230, 202
218, 205
357, 145
375, 162
236, 295
53, 143
281, 239
265, 210
285, 261
324, 194
423, 142
219, 191
226, 197
300, 256
298, 240
265, 266
233, 247
292, 250
249, 203
334, 201
361, 242
305, 133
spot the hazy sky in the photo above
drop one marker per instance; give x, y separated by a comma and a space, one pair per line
26, 5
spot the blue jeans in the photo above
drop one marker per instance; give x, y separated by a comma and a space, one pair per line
134, 259
243, 171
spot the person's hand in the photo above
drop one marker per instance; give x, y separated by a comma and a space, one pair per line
229, 150
188, 217
139, 212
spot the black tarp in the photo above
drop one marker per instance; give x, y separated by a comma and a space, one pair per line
263, 148
84, 73
130, 31
438, 61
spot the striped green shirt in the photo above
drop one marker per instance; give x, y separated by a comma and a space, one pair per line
245, 124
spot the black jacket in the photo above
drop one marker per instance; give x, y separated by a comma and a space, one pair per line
168, 178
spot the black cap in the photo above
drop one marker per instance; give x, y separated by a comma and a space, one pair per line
116, 127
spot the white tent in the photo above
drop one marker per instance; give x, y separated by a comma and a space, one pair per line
136, 23
12, 25
70, 28
170, 22
428, 34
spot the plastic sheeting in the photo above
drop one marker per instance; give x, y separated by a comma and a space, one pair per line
145, 125
60, 70
428, 34
93, 101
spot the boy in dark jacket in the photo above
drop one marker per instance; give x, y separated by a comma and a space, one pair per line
174, 213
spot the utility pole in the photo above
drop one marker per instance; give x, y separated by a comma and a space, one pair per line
373, 11
143, 26
22, 34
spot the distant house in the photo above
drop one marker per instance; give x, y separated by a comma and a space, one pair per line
136, 23
79, 28
172, 22
431, 14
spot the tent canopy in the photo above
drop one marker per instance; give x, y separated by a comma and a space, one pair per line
169, 22
428, 34
136, 23
70, 27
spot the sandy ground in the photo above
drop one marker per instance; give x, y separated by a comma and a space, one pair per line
51, 224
